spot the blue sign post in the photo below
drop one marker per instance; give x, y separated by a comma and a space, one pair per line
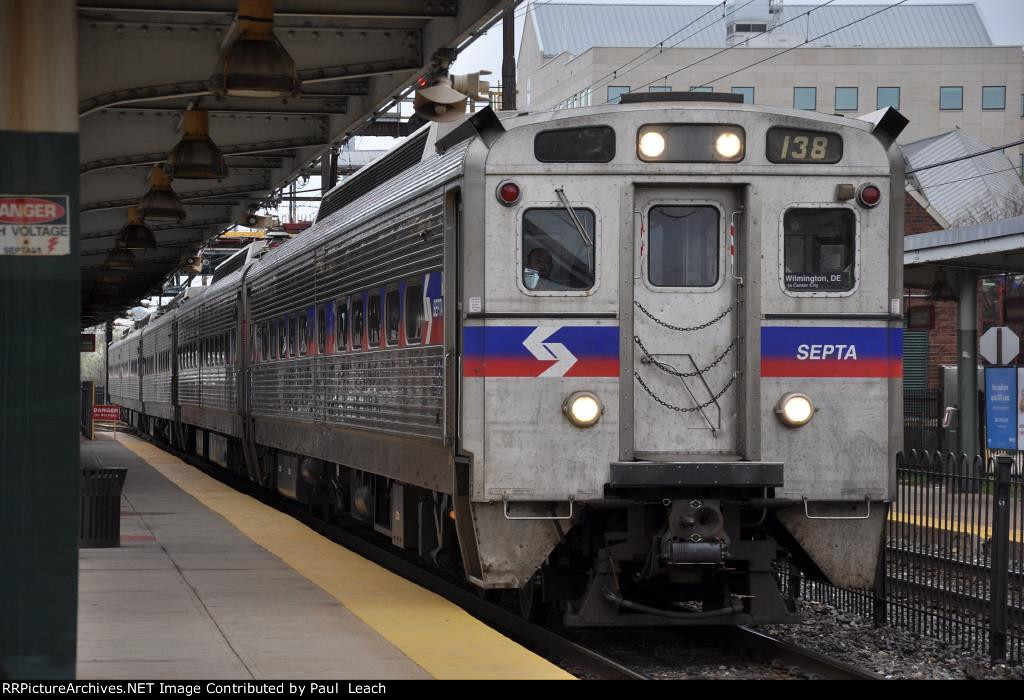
1001, 408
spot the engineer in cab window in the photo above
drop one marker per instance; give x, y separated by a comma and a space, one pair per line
558, 256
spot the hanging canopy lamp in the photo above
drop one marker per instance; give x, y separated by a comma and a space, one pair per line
255, 63
196, 157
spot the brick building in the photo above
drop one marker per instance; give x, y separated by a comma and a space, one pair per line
962, 193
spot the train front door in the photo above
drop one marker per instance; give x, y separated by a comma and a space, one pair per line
686, 359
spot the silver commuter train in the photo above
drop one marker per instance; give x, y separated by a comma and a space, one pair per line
623, 359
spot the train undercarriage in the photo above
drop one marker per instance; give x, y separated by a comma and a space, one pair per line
638, 557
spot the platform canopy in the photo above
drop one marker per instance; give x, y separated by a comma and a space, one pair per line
143, 63
992, 248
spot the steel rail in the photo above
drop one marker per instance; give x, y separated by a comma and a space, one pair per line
812, 663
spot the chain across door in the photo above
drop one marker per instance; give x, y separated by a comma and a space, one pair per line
685, 327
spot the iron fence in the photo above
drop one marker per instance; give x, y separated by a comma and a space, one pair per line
952, 567
922, 425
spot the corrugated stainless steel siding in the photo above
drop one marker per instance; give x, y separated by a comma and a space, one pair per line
395, 234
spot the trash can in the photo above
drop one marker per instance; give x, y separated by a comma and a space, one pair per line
100, 523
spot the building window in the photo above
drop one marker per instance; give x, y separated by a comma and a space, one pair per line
747, 92
846, 99
660, 88
805, 98
887, 97
993, 97
951, 97
702, 88
615, 92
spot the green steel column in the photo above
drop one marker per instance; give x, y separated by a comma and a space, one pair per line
39, 326
967, 361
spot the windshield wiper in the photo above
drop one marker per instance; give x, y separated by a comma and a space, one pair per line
572, 216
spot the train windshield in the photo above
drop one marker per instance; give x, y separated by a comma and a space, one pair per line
555, 256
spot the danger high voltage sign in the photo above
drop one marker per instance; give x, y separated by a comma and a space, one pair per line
34, 224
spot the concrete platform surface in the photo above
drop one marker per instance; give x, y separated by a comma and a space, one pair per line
210, 584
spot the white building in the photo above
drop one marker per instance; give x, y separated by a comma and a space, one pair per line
935, 63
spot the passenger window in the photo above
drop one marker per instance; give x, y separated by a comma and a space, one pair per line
303, 334
293, 329
282, 340
273, 340
819, 250
393, 316
341, 326
373, 320
321, 329
557, 255
414, 313
358, 317
683, 249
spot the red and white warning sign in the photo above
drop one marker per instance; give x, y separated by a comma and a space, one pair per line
34, 224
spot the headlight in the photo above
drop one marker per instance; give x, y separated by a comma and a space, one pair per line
652, 144
795, 409
728, 144
583, 409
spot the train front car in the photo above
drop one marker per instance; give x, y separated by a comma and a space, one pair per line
680, 357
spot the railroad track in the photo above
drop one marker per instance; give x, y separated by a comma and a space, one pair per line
791, 656
576, 657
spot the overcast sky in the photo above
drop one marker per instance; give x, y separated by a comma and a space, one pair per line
1003, 18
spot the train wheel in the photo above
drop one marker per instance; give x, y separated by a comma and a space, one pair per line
531, 602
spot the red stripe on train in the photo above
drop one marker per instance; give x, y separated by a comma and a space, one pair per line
882, 367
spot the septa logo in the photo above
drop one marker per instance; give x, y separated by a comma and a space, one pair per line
29, 210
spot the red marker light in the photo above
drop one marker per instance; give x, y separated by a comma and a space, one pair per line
869, 196
508, 193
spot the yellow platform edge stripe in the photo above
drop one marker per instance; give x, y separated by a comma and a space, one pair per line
948, 525
440, 637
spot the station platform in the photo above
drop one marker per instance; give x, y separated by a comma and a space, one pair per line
211, 584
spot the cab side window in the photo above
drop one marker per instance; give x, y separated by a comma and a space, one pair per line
819, 250
558, 250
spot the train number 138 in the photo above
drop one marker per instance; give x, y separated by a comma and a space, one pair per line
804, 147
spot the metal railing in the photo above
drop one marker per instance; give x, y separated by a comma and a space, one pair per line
953, 563
922, 424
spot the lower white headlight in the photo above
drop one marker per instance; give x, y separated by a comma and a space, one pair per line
583, 409
795, 409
